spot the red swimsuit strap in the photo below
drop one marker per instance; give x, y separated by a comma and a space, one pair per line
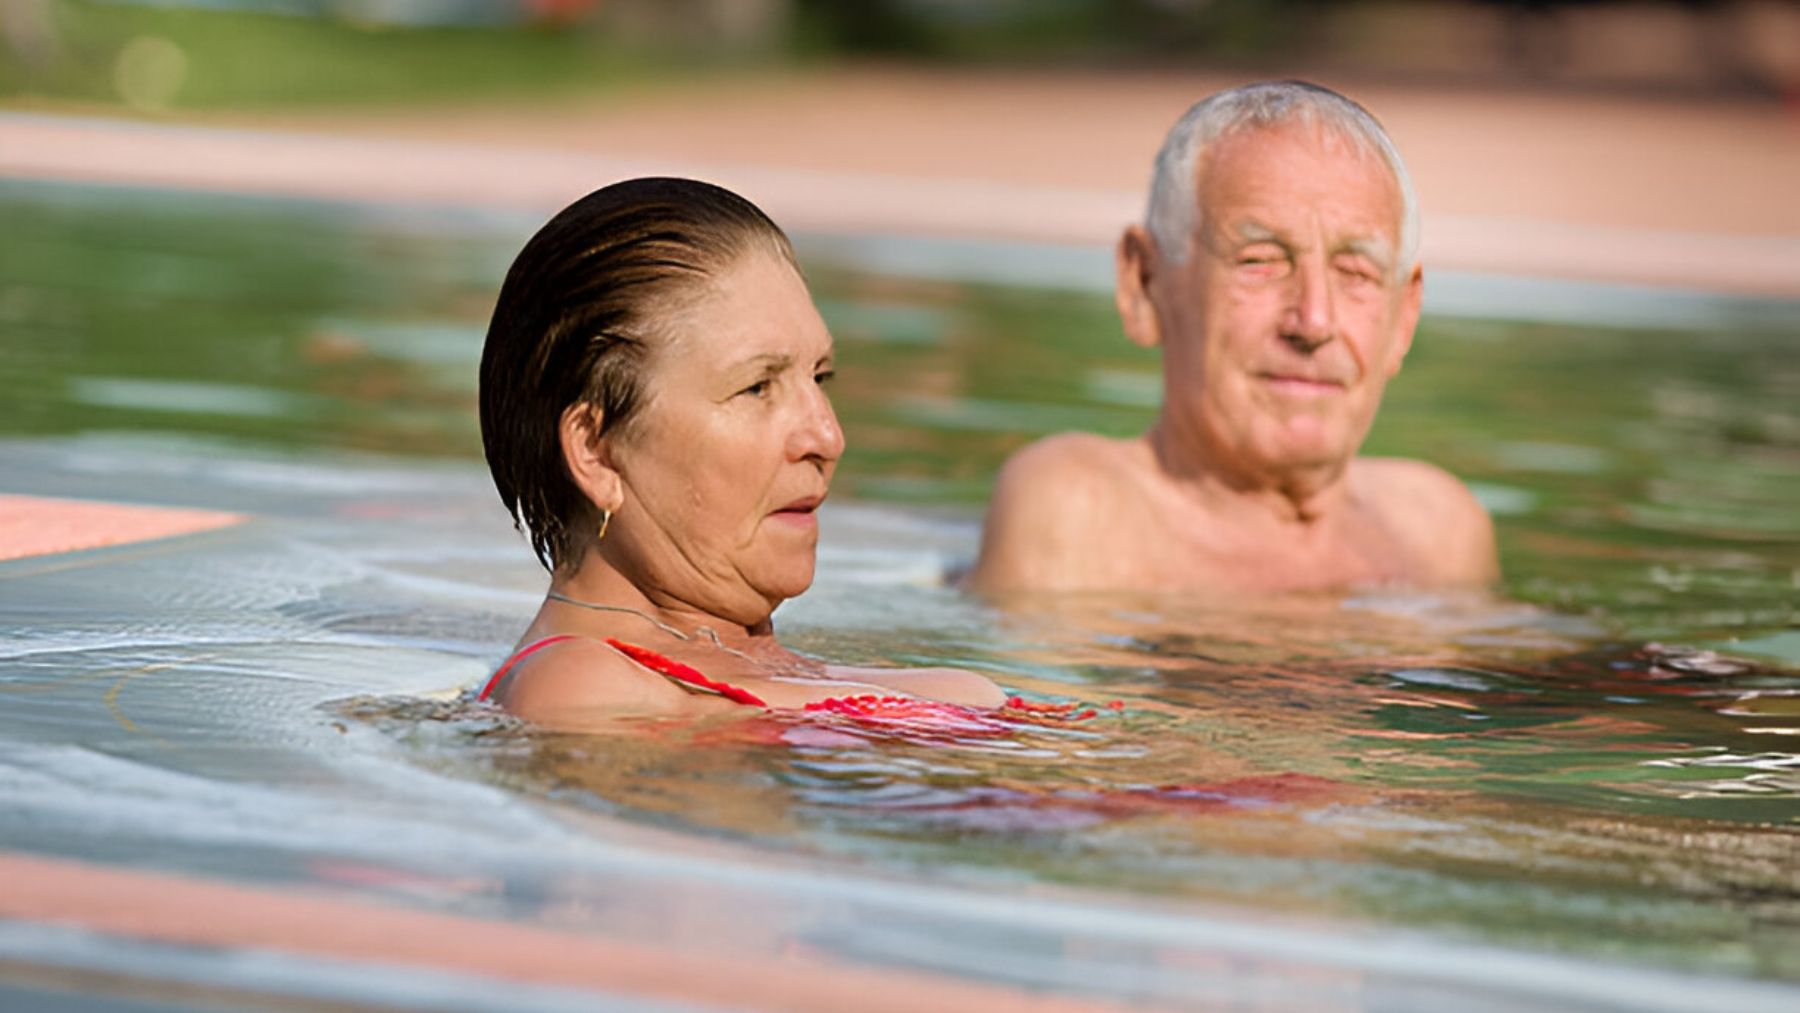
674, 670
520, 655
684, 674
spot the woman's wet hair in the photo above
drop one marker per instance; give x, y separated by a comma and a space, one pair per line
1173, 214
577, 315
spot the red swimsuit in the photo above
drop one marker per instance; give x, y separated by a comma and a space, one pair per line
869, 708
675, 671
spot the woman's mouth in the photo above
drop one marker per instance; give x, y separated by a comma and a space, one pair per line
801, 512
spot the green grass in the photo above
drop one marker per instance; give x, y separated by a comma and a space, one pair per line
169, 60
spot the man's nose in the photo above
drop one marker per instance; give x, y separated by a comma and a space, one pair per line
816, 434
1311, 317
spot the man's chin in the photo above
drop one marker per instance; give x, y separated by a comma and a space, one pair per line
1304, 441
1299, 459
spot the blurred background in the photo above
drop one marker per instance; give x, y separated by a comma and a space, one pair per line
1029, 119
207, 54
281, 224
248, 251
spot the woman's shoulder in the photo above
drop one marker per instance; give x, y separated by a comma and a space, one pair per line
582, 683
946, 685
573, 681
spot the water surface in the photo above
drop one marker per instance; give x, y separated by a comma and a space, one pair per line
1598, 762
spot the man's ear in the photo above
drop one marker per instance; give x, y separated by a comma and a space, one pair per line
1136, 260
1406, 320
585, 454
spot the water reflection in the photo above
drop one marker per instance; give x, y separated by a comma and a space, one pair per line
1580, 799
1601, 759
1462, 763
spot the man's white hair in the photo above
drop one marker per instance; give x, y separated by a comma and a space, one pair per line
1173, 216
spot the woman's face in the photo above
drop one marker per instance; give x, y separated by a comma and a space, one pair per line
732, 450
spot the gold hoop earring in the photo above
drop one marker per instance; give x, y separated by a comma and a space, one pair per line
605, 519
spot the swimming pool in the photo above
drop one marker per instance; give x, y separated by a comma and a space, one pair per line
1583, 793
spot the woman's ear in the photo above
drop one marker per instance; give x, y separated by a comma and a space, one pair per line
1136, 263
585, 454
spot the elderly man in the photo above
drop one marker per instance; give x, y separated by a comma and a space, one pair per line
1277, 270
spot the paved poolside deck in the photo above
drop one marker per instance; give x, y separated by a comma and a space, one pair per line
607, 972
1694, 193
42, 526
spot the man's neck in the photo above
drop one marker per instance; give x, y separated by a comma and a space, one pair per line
1299, 496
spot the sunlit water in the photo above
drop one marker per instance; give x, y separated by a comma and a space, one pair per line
1601, 760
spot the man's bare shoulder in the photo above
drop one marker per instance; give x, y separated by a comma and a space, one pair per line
1048, 503
1077, 456
1444, 525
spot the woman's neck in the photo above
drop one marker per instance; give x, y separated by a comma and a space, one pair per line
597, 590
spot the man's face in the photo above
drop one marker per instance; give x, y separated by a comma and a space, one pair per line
1283, 325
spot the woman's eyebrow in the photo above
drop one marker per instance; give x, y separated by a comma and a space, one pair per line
769, 362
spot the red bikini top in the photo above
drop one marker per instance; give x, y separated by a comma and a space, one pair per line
675, 671
866, 708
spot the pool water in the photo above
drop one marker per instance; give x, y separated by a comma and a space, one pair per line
1599, 762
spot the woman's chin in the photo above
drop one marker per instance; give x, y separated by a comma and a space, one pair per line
779, 587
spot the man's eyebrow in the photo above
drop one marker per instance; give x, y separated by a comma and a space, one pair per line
1252, 232
1379, 250
1226, 238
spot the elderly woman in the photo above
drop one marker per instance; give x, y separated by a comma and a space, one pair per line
654, 414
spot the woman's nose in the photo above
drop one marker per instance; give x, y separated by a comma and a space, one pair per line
816, 434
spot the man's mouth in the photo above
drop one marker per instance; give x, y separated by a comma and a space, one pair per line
1301, 385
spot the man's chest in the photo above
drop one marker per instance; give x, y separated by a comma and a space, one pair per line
1203, 553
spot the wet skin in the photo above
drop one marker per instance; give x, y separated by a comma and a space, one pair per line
1279, 330
713, 487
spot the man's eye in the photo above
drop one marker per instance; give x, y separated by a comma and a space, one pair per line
823, 375
757, 389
